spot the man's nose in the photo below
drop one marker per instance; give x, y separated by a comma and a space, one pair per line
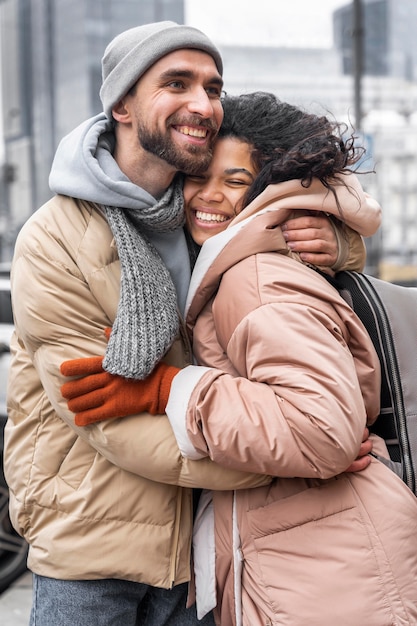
200, 103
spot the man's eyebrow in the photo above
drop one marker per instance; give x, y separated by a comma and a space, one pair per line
177, 73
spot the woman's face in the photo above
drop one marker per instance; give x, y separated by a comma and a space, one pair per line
214, 198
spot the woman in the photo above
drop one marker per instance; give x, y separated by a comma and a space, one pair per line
290, 380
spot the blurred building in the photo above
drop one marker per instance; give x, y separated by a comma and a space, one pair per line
389, 43
315, 80
50, 53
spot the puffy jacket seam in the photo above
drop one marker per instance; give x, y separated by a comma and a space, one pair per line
393, 577
26, 504
100, 519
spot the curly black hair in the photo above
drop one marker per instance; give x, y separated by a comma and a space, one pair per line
287, 142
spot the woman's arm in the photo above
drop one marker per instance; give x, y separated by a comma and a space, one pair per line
295, 405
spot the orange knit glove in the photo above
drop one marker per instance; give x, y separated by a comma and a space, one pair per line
98, 395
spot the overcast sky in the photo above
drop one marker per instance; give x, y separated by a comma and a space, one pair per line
292, 23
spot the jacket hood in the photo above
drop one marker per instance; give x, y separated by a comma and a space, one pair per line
84, 167
257, 229
353, 206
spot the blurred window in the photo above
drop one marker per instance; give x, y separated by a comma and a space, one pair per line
6, 316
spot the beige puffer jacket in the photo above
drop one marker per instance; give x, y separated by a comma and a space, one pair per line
290, 380
114, 499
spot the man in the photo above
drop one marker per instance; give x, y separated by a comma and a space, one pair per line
109, 536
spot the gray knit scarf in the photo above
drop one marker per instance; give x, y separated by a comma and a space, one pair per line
147, 318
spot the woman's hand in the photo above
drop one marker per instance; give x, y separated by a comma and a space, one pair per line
363, 459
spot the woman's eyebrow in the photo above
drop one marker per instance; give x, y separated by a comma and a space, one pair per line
238, 170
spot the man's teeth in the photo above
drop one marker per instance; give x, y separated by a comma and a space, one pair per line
210, 217
194, 132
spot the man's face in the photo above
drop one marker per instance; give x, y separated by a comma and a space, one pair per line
177, 110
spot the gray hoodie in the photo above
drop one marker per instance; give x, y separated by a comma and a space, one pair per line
84, 168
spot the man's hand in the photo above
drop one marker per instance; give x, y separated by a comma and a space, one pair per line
97, 395
313, 237
363, 459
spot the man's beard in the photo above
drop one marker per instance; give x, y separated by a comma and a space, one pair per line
190, 159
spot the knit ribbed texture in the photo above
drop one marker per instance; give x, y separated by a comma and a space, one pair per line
147, 320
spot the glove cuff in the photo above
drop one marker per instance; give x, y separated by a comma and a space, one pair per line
167, 374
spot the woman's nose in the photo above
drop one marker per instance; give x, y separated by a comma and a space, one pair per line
211, 192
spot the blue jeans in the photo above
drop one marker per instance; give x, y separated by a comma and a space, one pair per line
110, 602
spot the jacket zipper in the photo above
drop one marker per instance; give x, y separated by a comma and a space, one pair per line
175, 536
180, 490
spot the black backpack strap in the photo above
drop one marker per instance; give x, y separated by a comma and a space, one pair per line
369, 298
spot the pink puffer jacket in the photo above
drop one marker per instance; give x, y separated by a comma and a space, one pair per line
290, 380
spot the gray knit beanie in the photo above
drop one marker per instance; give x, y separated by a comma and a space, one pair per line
132, 52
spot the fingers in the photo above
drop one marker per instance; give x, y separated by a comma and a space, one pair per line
89, 401
319, 253
313, 237
326, 235
363, 459
82, 367
81, 386
316, 222
366, 448
319, 260
359, 464
85, 418
314, 241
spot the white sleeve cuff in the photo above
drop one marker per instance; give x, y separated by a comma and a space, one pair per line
182, 387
